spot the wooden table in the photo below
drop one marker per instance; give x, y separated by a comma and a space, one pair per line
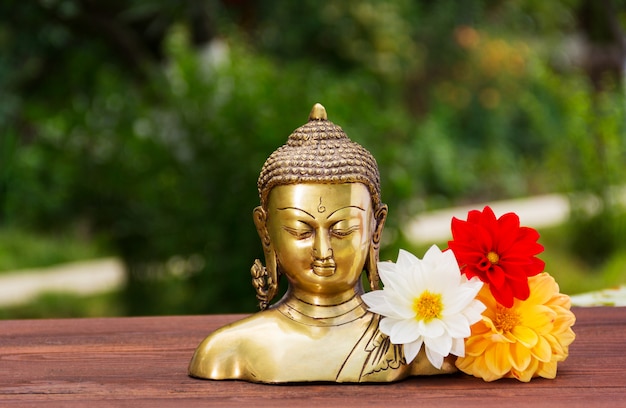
142, 361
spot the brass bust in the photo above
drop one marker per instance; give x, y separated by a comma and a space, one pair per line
320, 222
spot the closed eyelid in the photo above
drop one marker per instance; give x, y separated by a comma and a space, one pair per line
345, 231
298, 232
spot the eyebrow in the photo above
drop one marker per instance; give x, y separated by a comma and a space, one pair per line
343, 208
329, 215
297, 209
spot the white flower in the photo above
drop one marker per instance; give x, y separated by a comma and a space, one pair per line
426, 302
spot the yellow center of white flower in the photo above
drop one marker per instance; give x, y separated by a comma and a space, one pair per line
428, 306
493, 257
506, 319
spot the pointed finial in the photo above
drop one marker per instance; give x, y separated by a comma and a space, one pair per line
318, 112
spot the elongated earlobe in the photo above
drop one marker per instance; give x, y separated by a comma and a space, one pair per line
372, 260
260, 222
264, 279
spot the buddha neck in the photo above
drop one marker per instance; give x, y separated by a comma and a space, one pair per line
321, 311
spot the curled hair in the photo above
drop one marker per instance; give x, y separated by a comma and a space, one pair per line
319, 152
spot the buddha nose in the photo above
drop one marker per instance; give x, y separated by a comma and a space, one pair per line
321, 245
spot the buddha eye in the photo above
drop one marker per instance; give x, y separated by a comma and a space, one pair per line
340, 232
299, 233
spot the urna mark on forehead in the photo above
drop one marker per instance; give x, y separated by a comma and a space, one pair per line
319, 152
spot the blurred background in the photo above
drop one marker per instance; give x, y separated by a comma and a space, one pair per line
132, 133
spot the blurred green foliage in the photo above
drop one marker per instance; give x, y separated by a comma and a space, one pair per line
21, 249
144, 124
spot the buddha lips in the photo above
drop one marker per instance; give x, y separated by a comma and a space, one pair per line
324, 268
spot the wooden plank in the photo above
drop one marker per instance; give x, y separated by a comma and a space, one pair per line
143, 361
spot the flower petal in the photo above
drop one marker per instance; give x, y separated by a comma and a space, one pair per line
412, 349
525, 335
547, 370
497, 360
386, 325
457, 326
377, 303
459, 298
405, 331
542, 350
458, 347
433, 328
520, 357
435, 358
440, 345
395, 282
406, 260
473, 312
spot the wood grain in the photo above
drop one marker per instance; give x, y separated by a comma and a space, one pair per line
142, 361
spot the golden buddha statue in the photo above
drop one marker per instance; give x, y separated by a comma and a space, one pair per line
320, 222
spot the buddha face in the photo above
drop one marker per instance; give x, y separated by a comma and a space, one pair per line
321, 234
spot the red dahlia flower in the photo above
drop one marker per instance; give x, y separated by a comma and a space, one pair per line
498, 251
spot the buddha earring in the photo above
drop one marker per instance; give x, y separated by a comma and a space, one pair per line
265, 282
265, 279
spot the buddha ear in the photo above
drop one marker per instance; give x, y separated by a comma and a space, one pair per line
259, 216
372, 260
264, 279
381, 217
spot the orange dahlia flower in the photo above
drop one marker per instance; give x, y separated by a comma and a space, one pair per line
498, 251
524, 341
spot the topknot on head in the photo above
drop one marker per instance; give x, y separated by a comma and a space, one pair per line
318, 112
319, 152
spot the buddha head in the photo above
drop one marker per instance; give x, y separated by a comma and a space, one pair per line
321, 216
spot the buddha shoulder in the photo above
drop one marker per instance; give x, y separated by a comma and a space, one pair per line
237, 350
